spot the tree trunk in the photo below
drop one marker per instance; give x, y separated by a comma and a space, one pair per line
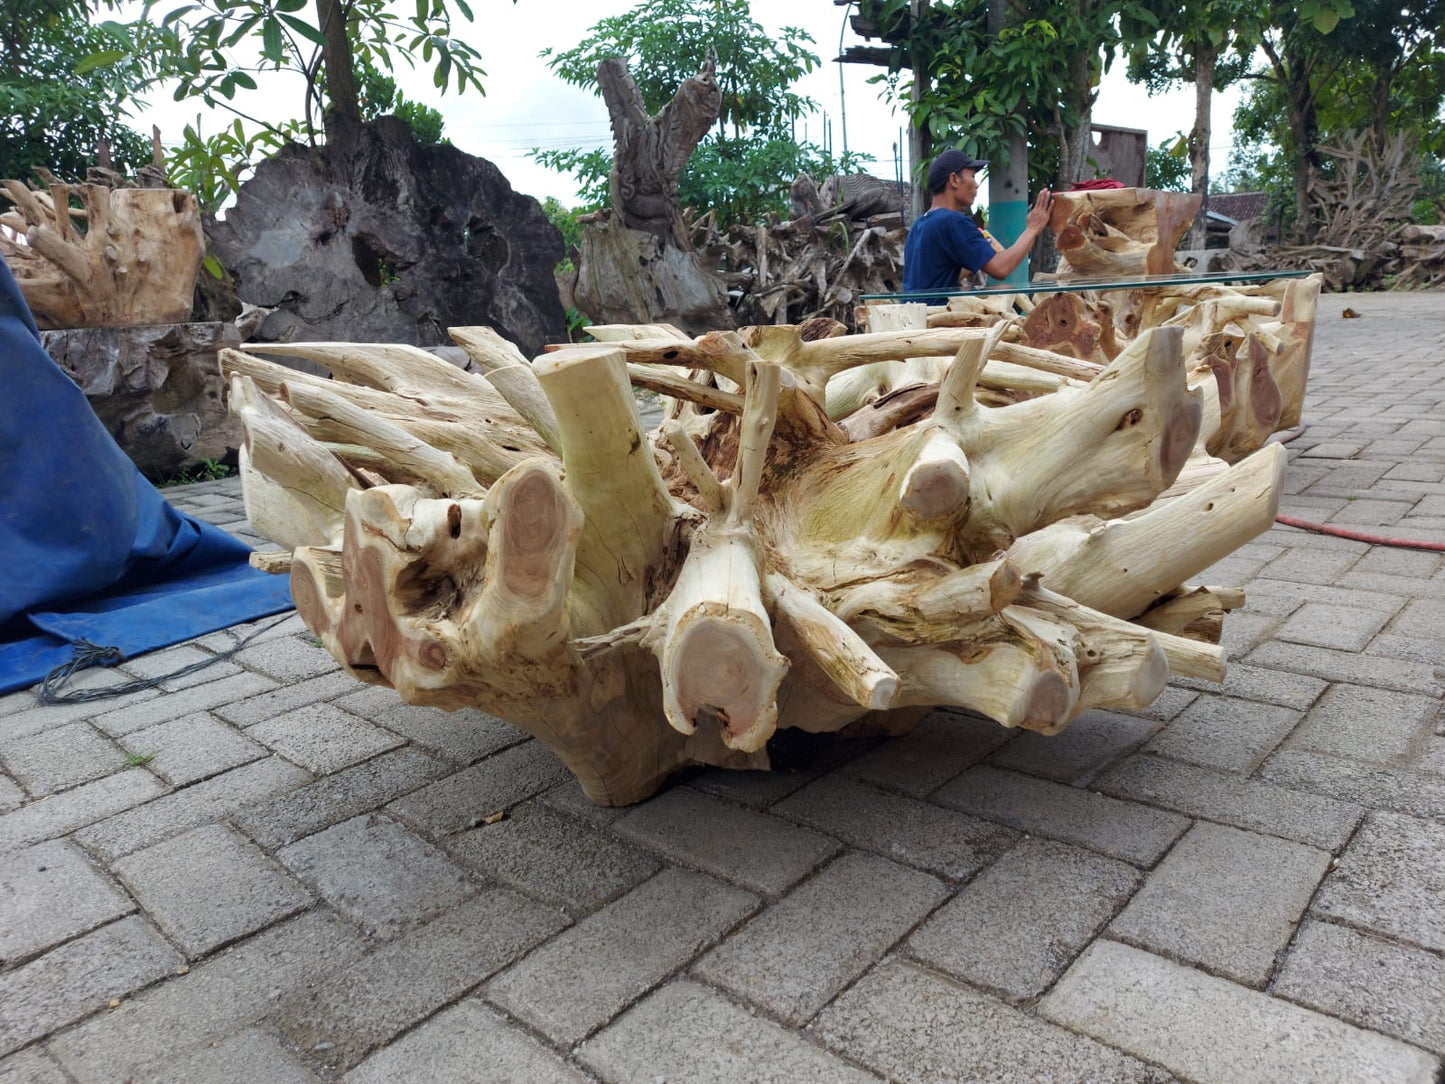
1206, 53
645, 601
339, 65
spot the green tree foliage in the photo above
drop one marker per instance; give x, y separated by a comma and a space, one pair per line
214, 51
1038, 77
379, 96
1378, 68
743, 168
49, 115
1166, 167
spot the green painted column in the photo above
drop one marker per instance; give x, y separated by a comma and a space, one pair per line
1008, 175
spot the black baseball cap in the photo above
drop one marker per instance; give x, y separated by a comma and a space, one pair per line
950, 161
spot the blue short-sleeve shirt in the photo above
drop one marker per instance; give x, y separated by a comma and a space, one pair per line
940, 244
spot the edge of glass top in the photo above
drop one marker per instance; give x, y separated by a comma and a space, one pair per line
1054, 287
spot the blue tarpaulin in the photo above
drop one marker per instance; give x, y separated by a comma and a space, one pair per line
89, 550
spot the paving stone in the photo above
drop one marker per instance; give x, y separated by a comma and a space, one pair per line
1376, 984
1244, 682
1224, 899
31, 1067
1015, 927
1373, 725
57, 759
1372, 513
63, 813
31, 717
919, 1028
1391, 880
48, 894
567, 797
210, 800
288, 658
1124, 830
161, 664
750, 848
794, 958
1378, 671
942, 745
462, 736
1229, 799
218, 997
322, 738
79, 977
1209, 1029
337, 1022
1345, 598
1091, 742
469, 1043
161, 709
257, 709
11, 796
1406, 586
1311, 566
1244, 631
1225, 733
673, 1034
1404, 791
208, 887
490, 786
1428, 650
191, 748
253, 632
1324, 625
583, 977
1167, 705
276, 821
1421, 617
1392, 561
920, 834
252, 1055
554, 856
377, 873
1416, 471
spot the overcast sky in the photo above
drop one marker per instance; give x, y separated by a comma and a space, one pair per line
527, 106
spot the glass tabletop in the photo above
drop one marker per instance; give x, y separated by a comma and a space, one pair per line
1055, 286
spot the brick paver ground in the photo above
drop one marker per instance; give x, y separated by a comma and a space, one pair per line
268, 872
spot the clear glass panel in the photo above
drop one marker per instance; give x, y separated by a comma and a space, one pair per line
1050, 286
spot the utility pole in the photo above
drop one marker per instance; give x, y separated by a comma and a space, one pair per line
1008, 185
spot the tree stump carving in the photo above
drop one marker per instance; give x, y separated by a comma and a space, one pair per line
645, 600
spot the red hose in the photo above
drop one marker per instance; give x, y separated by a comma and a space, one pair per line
1360, 536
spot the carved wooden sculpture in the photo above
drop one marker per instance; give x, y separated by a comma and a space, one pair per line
124, 256
639, 263
1120, 231
641, 601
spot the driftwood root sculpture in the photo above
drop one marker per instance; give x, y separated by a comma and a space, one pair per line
123, 256
1120, 231
988, 534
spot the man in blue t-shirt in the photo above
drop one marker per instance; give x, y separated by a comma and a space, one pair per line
944, 240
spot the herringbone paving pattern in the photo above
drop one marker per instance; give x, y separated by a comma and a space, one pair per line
268, 872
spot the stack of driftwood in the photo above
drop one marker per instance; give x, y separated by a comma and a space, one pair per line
827, 531
843, 239
1366, 240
